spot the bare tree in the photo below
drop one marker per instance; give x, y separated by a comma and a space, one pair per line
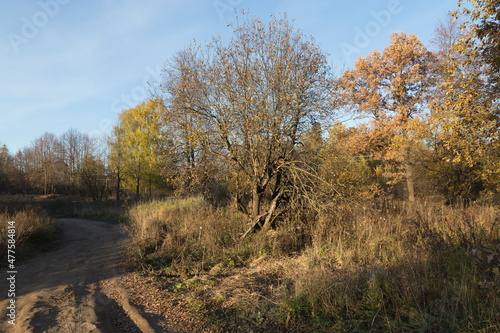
253, 98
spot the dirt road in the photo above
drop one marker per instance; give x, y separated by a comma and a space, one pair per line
77, 287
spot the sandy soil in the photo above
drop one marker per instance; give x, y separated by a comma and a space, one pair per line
78, 286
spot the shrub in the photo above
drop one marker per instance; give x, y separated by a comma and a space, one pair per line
34, 230
188, 234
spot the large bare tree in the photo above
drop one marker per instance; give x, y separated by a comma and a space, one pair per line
252, 99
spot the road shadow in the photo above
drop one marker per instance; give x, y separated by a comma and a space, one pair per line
86, 252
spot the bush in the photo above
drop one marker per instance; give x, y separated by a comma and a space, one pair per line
187, 235
34, 230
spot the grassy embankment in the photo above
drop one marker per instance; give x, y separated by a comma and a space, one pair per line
34, 229
379, 268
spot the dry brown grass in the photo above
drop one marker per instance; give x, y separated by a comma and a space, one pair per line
187, 236
33, 230
431, 268
379, 268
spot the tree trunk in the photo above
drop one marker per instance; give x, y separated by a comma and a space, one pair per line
118, 183
137, 188
45, 181
254, 225
256, 200
191, 152
270, 214
267, 217
409, 182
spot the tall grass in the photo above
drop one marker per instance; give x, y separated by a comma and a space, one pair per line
34, 229
385, 267
187, 236
432, 268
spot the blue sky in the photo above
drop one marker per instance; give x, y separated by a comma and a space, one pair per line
76, 64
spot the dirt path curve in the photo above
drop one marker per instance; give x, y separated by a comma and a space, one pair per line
77, 287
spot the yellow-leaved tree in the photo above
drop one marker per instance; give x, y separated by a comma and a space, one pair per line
138, 144
468, 111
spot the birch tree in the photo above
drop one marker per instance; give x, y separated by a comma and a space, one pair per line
139, 139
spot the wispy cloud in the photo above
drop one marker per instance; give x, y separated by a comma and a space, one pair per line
93, 52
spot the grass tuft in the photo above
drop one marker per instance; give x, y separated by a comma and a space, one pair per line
34, 230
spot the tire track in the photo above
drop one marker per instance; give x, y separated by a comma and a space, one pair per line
76, 287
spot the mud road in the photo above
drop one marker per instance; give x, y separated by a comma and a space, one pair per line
77, 286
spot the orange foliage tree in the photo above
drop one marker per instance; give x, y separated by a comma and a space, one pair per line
391, 87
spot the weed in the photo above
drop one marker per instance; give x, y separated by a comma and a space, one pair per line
350, 268
34, 231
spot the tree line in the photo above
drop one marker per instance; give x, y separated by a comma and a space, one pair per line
72, 163
256, 119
